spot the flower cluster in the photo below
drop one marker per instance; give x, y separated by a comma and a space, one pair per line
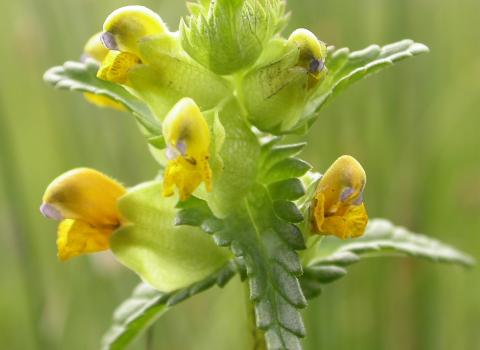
217, 101
202, 95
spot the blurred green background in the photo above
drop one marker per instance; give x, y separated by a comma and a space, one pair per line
414, 128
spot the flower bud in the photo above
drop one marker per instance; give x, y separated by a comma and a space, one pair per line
275, 93
228, 35
312, 54
338, 208
187, 137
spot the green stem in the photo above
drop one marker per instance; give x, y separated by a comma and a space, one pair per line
258, 338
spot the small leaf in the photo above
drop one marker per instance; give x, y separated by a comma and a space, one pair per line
147, 304
78, 76
326, 273
157, 142
345, 68
194, 212
291, 234
285, 169
340, 259
381, 239
311, 287
272, 153
288, 211
289, 189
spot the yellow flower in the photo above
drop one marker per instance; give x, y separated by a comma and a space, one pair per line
338, 207
187, 137
125, 27
312, 54
95, 49
123, 31
85, 201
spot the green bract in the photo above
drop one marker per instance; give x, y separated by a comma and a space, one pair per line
167, 75
251, 205
229, 35
168, 257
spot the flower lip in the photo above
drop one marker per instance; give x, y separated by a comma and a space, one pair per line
109, 41
49, 211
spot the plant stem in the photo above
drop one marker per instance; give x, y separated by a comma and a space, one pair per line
258, 338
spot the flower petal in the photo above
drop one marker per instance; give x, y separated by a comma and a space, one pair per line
350, 225
116, 65
76, 237
186, 176
104, 101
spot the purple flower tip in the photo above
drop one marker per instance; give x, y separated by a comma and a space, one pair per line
109, 41
50, 212
346, 194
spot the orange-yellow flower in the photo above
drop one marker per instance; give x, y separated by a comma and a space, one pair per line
85, 202
338, 207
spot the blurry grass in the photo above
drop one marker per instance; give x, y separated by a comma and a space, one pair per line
414, 128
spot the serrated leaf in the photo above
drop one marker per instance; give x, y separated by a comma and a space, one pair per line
345, 68
82, 76
381, 239
147, 304
266, 245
